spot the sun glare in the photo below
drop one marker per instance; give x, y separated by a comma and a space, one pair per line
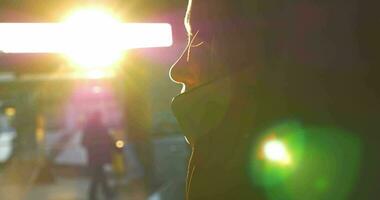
92, 16
97, 46
90, 38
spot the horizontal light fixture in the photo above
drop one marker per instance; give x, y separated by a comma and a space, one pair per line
69, 37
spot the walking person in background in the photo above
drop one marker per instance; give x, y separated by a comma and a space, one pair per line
98, 144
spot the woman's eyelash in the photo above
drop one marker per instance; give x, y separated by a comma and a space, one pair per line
193, 39
190, 45
197, 45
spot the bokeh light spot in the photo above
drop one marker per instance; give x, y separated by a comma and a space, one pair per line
10, 112
276, 151
324, 161
119, 144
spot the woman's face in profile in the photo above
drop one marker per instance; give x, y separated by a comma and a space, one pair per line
195, 67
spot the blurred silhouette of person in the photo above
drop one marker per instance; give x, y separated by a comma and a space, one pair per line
249, 65
98, 144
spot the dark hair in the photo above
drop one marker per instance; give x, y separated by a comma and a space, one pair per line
307, 53
220, 24
250, 33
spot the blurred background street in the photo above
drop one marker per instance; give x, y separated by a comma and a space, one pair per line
65, 177
48, 92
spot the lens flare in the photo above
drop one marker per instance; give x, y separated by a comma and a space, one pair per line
293, 160
275, 151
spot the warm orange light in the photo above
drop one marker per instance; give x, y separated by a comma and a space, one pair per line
10, 112
120, 144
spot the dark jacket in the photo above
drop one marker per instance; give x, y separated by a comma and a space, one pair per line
98, 144
330, 132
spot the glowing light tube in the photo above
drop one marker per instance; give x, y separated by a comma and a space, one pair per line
66, 37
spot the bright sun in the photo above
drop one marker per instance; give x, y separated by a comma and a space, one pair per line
95, 44
93, 39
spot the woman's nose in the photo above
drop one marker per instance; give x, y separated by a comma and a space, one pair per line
183, 71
